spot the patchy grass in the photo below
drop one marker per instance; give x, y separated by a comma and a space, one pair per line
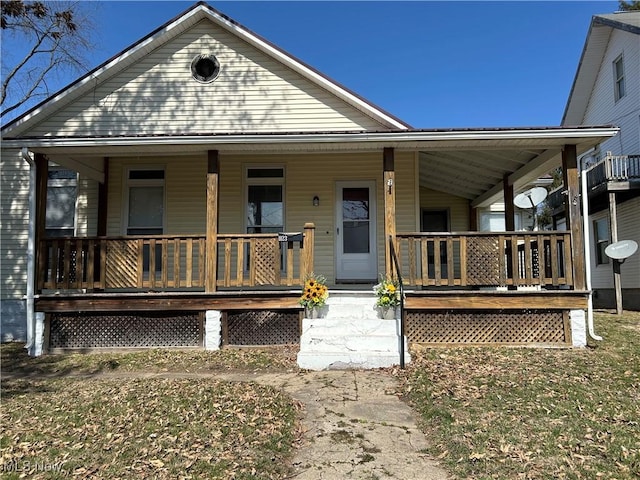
15, 359
534, 413
61, 417
144, 428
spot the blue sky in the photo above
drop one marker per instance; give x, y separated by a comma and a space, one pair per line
433, 64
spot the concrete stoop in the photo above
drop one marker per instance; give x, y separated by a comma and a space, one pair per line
350, 335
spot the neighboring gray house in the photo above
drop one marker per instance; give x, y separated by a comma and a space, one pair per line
606, 90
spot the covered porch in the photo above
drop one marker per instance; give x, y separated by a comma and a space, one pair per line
446, 274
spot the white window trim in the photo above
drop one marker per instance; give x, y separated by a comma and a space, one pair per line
594, 238
66, 182
617, 80
143, 183
263, 181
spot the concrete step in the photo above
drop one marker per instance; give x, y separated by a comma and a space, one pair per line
362, 343
349, 326
348, 360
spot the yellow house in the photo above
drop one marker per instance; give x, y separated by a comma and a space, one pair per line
214, 172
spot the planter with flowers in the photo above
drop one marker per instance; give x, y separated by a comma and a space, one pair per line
388, 301
314, 296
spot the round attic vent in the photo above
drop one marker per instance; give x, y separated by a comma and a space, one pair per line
205, 68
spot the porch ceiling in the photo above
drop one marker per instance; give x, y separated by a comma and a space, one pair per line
470, 163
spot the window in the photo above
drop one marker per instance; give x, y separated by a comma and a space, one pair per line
205, 68
145, 209
265, 207
436, 221
495, 221
601, 238
62, 192
618, 77
145, 203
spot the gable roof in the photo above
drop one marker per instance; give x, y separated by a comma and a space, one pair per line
163, 34
592, 54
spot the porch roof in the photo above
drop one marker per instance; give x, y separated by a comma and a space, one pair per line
470, 162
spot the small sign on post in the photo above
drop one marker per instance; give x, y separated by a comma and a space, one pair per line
290, 237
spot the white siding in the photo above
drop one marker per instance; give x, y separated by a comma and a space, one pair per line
601, 275
625, 113
253, 93
14, 217
628, 229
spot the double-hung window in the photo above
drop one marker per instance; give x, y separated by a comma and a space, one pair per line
265, 203
618, 78
145, 208
145, 202
265, 206
62, 193
601, 239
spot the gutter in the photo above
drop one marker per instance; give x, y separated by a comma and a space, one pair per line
516, 135
30, 296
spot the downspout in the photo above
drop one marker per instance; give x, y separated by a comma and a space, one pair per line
31, 324
587, 246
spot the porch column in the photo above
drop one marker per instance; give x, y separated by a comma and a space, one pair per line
103, 191
213, 172
509, 210
613, 225
389, 178
42, 178
572, 213
473, 219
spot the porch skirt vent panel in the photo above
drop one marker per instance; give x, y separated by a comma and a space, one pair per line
488, 327
263, 327
130, 330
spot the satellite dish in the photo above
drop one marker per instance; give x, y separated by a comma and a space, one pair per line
621, 250
530, 198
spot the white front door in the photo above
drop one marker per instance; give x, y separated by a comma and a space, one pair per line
356, 258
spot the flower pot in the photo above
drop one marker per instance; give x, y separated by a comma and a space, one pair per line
315, 312
387, 313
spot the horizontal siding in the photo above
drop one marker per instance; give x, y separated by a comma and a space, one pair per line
186, 194
625, 113
14, 217
458, 207
87, 207
601, 275
252, 93
629, 229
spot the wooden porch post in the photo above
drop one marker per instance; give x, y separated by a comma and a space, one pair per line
572, 212
308, 245
213, 172
103, 191
613, 225
42, 178
473, 219
389, 178
509, 210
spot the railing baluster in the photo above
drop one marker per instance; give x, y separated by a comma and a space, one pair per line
463, 261
411, 251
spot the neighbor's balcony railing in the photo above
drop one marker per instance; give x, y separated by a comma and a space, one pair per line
614, 168
168, 262
479, 259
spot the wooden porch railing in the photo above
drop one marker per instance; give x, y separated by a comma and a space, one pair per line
475, 259
172, 261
